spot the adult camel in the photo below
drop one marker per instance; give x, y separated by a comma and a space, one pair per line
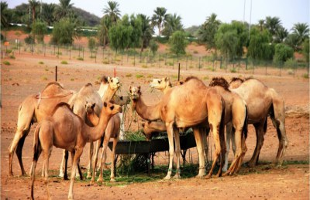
66, 130
261, 102
34, 109
183, 107
235, 121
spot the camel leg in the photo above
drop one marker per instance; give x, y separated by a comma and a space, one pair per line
234, 165
259, 129
115, 140
228, 139
103, 156
36, 154
95, 159
283, 142
205, 136
46, 156
63, 165
177, 152
77, 155
200, 145
90, 153
171, 148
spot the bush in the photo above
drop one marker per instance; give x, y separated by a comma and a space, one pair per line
6, 62
64, 62
290, 63
282, 53
29, 40
153, 46
139, 76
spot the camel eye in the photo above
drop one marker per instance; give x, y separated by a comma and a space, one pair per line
112, 80
121, 98
112, 107
159, 81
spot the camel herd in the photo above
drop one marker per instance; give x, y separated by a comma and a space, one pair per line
68, 120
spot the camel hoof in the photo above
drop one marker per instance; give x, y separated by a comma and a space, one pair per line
168, 177
199, 176
89, 175
61, 175
250, 164
208, 176
112, 180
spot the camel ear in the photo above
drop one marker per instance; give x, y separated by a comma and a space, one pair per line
93, 106
105, 104
139, 89
143, 124
130, 89
167, 79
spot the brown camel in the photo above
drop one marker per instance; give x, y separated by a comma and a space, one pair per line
163, 84
235, 120
34, 109
112, 131
66, 130
77, 103
183, 107
262, 101
150, 127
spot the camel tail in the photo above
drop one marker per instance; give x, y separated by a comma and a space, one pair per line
245, 124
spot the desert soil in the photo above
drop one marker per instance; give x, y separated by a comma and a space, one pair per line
26, 76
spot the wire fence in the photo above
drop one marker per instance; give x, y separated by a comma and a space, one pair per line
147, 59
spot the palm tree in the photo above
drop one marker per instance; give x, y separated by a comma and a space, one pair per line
103, 33
261, 24
173, 23
112, 10
48, 11
272, 24
208, 30
302, 31
159, 18
146, 29
33, 4
64, 9
281, 34
4, 9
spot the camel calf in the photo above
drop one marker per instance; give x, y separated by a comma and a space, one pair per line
66, 130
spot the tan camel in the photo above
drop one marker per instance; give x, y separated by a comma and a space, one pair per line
34, 109
68, 131
183, 107
235, 120
163, 84
77, 103
262, 101
112, 131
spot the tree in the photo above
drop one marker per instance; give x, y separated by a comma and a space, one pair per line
48, 13
302, 32
293, 41
64, 32
112, 10
4, 14
281, 34
64, 9
39, 30
103, 33
119, 36
208, 30
272, 24
305, 49
261, 24
282, 53
173, 23
226, 42
153, 46
159, 18
146, 30
91, 45
260, 47
33, 5
178, 43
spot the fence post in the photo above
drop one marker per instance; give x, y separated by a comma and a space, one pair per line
199, 63
56, 73
83, 52
179, 71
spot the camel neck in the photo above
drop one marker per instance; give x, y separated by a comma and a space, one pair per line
106, 92
147, 112
96, 132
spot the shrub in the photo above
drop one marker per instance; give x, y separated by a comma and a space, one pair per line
305, 76
128, 75
282, 53
80, 58
41, 62
144, 66
233, 70
44, 78
6, 62
64, 62
29, 40
153, 46
139, 76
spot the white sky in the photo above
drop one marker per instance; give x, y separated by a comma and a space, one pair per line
195, 12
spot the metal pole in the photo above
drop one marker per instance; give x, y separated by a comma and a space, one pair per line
179, 71
55, 73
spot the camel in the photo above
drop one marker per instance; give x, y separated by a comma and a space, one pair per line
34, 109
235, 120
183, 107
151, 127
77, 103
66, 130
112, 131
163, 84
261, 102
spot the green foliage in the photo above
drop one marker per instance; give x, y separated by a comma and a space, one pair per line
91, 43
119, 36
139, 76
260, 47
173, 23
290, 63
29, 40
39, 29
178, 43
64, 62
6, 62
305, 50
159, 18
208, 29
146, 30
282, 53
153, 46
64, 32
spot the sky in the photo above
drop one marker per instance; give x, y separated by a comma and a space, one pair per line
195, 12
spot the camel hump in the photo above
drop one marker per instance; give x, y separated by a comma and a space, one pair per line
219, 81
234, 79
190, 78
53, 88
60, 105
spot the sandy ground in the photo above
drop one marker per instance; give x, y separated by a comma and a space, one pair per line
26, 76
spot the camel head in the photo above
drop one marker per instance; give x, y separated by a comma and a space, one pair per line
114, 83
161, 84
120, 100
134, 92
111, 109
89, 107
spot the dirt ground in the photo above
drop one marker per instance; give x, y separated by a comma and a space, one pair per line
26, 76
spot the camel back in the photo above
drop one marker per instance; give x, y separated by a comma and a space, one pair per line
234, 79
219, 81
54, 89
